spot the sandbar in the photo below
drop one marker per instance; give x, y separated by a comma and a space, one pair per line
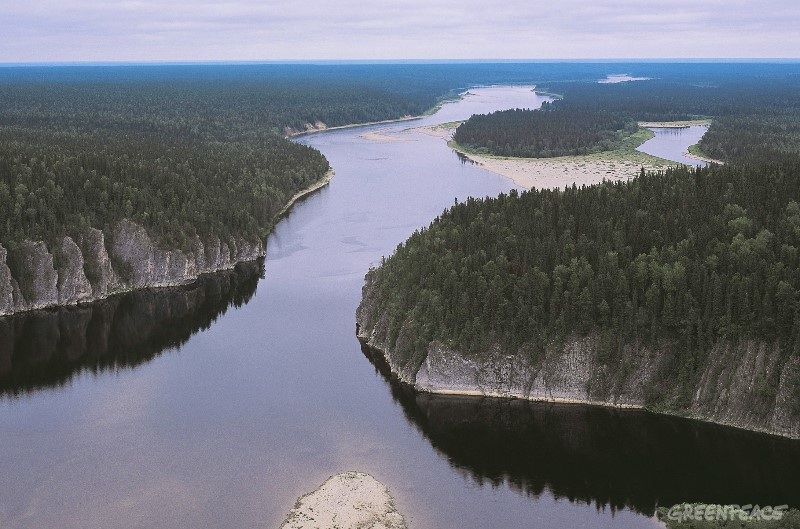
349, 500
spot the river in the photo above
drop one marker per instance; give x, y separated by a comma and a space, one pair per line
218, 404
672, 143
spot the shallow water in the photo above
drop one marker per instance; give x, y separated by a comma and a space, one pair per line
673, 143
257, 395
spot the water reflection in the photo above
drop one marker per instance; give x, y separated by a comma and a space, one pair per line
604, 456
464, 159
47, 348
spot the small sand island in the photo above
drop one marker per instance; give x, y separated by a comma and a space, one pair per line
349, 500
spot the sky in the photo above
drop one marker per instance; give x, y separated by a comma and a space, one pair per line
269, 30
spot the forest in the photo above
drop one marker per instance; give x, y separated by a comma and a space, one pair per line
179, 150
693, 256
200, 149
185, 150
751, 117
528, 133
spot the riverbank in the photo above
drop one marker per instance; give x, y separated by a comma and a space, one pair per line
321, 127
319, 184
97, 265
673, 124
568, 373
349, 500
694, 153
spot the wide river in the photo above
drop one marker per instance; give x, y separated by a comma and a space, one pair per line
218, 404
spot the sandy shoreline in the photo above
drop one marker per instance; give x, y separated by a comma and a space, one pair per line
349, 500
322, 182
381, 136
551, 173
673, 124
323, 128
702, 158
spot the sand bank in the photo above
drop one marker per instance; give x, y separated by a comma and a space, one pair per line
350, 500
322, 127
559, 172
702, 158
673, 124
550, 173
319, 184
382, 136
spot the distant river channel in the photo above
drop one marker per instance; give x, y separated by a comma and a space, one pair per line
218, 404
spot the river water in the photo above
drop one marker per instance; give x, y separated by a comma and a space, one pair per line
672, 143
218, 404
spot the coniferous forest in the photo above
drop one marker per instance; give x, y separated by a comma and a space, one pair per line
695, 256
752, 117
185, 150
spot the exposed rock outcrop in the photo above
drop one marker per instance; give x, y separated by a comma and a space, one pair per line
97, 263
72, 284
349, 500
93, 266
749, 383
6, 289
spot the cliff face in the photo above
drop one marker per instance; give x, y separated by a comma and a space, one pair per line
95, 266
749, 384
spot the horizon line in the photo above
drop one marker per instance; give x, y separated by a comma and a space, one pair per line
610, 60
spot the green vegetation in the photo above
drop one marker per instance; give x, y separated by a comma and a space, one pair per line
180, 150
696, 151
689, 257
752, 117
199, 149
692, 256
543, 133
185, 150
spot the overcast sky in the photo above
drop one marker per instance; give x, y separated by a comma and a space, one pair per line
189, 30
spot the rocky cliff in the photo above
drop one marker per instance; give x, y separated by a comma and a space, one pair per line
749, 383
95, 265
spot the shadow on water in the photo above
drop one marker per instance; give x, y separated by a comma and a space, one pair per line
464, 159
46, 348
604, 456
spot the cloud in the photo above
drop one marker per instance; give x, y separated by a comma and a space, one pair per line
66, 30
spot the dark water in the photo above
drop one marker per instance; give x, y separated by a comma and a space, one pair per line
47, 348
218, 408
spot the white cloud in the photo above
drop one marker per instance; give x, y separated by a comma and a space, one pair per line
48, 30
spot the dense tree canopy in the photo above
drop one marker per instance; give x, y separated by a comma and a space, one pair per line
752, 117
543, 134
691, 255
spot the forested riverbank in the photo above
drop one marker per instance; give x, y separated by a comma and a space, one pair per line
676, 291
753, 118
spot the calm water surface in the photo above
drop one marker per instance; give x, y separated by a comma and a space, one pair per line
673, 143
218, 404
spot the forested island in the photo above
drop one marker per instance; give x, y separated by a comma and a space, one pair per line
753, 117
676, 291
